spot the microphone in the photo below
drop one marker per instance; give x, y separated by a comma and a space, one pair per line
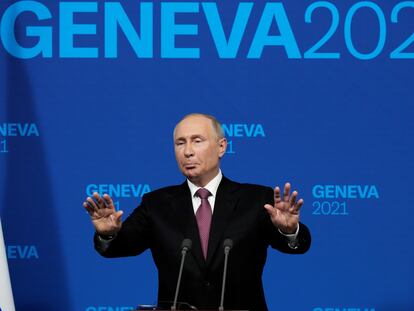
227, 245
185, 247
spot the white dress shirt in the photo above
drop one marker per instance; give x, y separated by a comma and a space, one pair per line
212, 186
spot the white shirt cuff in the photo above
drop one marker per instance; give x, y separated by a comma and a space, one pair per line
291, 238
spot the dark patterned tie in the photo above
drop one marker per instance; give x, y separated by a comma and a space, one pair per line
203, 216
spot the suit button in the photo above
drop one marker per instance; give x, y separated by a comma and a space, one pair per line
206, 283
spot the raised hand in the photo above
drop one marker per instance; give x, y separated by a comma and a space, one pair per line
285, 212
106, 220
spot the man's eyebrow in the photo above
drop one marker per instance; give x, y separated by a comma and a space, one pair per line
197, 136
190, 137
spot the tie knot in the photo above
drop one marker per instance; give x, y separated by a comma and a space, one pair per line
203, 193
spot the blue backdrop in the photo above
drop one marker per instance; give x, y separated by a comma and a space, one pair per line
313, 92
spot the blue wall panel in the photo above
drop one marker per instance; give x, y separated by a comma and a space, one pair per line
340, 120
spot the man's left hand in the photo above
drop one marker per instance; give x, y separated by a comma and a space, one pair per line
285, 212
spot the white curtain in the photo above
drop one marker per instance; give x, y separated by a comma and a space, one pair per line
6, 295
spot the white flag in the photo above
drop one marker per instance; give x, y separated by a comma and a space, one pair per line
6, 295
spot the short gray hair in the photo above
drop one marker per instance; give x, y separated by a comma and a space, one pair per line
216, 124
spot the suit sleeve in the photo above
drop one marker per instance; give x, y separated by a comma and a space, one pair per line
134, 236
277, 240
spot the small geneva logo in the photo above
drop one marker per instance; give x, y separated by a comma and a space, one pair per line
333, 200
15, 130
22, 252
235, 132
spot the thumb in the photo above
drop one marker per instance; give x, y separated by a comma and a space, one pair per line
269, 208
118, 216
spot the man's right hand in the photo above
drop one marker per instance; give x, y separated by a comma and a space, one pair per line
106, 220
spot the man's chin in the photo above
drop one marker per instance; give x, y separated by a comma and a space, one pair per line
190, 173
192, 176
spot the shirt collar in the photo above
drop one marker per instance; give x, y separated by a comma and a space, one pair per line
212, 186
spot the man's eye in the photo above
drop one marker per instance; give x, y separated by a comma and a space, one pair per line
179, 143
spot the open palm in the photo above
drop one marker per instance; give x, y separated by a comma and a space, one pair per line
284, 214
106, 220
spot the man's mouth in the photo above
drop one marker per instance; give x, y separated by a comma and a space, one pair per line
189, 166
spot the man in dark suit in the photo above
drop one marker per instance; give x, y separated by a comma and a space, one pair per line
207, 208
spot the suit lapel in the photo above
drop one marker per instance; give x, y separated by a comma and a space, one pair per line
187, 223
223, 207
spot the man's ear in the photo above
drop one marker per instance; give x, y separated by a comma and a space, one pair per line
223, 146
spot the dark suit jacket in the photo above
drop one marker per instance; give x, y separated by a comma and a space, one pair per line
165, 217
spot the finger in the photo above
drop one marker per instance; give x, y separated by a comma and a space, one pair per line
299, 205
277, 195
286, 192
292, 200
92, 203
108, 201
97, 197
88, 208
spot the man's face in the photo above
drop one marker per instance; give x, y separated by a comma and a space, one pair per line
198, 149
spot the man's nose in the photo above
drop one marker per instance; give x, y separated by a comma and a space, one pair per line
188, 150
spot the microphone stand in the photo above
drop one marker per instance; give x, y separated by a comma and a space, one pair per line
228, 244
185, 245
